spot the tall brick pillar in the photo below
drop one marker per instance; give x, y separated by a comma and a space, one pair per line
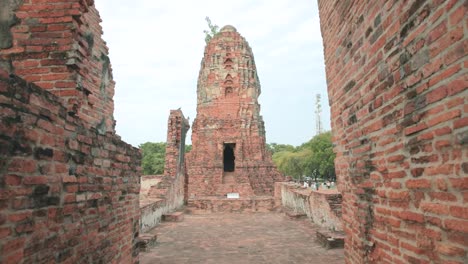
177, 129
397, 82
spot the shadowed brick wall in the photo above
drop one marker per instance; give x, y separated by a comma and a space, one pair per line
68, 185
397, 83
67, 194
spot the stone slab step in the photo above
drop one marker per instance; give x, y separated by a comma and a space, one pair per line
330, 239
173, 217
146, 241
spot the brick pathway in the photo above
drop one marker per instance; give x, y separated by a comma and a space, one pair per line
239, 239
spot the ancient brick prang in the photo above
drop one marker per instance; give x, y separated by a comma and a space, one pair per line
228, 135
397, 83
57, 45
67, 194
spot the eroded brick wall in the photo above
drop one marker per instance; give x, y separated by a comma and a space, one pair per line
57, 45
397, 83
67, 194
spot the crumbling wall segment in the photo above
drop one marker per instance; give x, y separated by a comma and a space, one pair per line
397, 83
322, 207
167, 192
67, 193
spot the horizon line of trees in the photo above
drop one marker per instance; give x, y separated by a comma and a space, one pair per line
313, 159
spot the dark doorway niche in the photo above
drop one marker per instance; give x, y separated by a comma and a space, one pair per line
228, 156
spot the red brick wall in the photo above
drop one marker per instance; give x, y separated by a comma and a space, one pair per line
58, 46
68, 185
397, 82
67, 194
228, 112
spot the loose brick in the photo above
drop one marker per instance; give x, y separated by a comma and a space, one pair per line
418, 184
16, 217
456, 225
459, 211
435, 208
410, 216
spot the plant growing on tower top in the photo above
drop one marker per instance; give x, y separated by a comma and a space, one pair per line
213, 30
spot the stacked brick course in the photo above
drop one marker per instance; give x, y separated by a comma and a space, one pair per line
228, 113
397, 82
57, 45
68, 185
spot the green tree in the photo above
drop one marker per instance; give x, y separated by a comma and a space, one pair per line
188, 148
314, 158
321, 162
153, 157
291, 163
213, 30
274, 148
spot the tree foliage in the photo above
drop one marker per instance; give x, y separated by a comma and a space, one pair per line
213, 30
314, 158
188, 148
274, 148
154, 157
322, 160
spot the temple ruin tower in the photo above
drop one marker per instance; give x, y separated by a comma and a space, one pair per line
228, 136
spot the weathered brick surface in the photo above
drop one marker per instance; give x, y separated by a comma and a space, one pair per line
214, 204
261, 238
177, 128
397, 83
67, 193
323, 207
58, 46
228, 112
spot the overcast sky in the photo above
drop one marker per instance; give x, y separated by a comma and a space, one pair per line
156, 48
